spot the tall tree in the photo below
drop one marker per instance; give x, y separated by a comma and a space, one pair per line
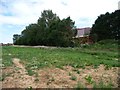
49, 30
107, 26
45, 21
29, 34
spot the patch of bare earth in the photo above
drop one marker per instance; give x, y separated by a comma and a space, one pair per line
56, 77
18, 77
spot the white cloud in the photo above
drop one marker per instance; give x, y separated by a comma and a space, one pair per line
7, 31
28, 11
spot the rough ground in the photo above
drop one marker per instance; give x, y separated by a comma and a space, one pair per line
17, 76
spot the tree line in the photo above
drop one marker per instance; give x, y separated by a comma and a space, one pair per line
49, 30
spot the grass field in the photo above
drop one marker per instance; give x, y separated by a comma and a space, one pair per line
102, 53
76, 57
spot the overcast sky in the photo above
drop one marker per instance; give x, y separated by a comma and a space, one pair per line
16, 14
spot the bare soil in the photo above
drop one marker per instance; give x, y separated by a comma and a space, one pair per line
17, 76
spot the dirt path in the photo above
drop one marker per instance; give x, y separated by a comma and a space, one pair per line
17, 63
18, 77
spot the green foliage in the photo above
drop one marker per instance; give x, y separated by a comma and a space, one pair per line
36, 80
2, 78
30, 72
96, 66
89, 79
73, 77
29, 88
35, 58
82, 66
107, 26
4, 75
49, 30
107, 67
77, 71
6, 58
15, 38
70, 73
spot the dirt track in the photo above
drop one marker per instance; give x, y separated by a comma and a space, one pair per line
35, 46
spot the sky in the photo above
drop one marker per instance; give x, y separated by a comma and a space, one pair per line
15, 15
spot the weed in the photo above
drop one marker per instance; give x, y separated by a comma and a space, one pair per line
73, 77
52, 79
17, 68
89, 79
110, 85
19, 76
2, 78
74, 69
82, 66
29, 88
78, 72
70, 73
59, 66
36, 80
101, 84
107, 67
75, 65
96, 66
95, 85
30, 72
96, 70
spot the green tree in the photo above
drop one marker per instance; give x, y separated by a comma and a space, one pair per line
107, 26
67, 27
28, 35
53, 31
15, 38
45, 21
49, 30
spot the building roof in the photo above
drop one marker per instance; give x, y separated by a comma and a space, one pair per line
88, 28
